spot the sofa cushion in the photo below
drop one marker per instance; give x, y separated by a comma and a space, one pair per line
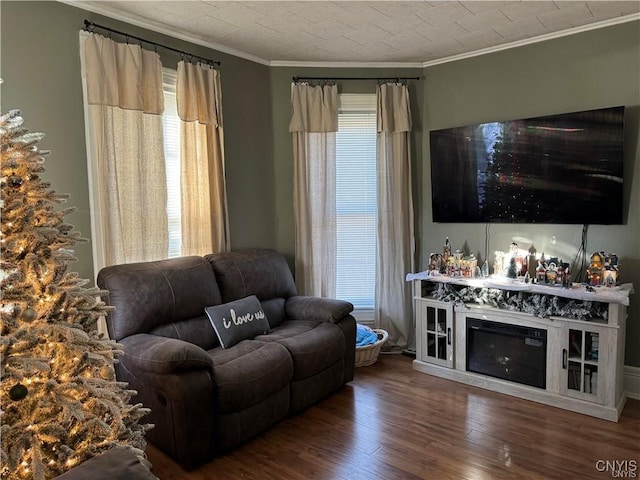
261, 272
238, 320
147, 295
274, 309
288, 329
249, 372
314, 346
196, 330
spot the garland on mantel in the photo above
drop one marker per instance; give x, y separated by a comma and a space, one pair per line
535, 304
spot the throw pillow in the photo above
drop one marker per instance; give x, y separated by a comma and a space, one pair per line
238, 320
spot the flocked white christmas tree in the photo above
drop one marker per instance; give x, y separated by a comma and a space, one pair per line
60, 402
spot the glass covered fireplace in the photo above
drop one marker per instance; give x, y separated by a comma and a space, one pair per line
510, 352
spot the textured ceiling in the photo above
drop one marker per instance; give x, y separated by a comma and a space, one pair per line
386, 32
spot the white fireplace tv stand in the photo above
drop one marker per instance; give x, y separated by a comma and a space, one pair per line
581, 370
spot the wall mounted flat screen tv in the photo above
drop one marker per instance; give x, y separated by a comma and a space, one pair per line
554, 169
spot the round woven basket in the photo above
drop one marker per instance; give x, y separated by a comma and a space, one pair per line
368, 354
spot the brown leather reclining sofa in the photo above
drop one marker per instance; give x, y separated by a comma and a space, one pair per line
205, 399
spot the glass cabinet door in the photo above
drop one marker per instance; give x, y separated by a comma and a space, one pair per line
581, 361
437, 333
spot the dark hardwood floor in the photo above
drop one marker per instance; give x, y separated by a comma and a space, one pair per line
394, 423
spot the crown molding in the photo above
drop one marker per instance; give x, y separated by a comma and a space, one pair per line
541, 38
161, 28
165, 30
287, 63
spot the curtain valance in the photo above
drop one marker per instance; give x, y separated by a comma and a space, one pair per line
199, 94
122, 75
394, 113
314, 108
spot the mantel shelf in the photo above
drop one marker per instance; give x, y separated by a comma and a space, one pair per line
618, 295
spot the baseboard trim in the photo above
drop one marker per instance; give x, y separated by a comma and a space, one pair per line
632, 381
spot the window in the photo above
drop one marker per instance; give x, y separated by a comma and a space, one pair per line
171, 131
356, 201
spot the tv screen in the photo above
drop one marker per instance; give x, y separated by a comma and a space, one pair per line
554, 169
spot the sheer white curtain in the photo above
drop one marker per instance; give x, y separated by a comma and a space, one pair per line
395, 215
205, 225
122, 86
314, 122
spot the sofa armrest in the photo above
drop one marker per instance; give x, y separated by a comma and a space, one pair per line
155, 354
174, 379
300, 307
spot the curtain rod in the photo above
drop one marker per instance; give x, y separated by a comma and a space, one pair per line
90, 27
298, 79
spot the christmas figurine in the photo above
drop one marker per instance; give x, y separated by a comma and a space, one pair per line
446, 254
560, 273
541, 272
596, 265
512, 269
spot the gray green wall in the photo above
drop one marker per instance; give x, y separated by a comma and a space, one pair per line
40, 64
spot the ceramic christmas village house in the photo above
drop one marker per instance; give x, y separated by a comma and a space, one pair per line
516, 264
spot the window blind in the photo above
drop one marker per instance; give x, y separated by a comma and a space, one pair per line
171, 131
356, 201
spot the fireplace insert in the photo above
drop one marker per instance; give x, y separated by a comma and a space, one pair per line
510, 352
